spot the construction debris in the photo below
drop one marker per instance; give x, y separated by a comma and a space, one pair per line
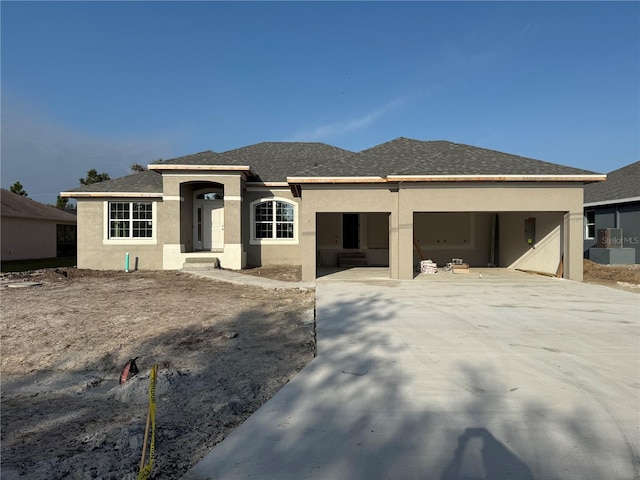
428, 266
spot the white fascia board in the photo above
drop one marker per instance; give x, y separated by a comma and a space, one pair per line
240, 168
267, 184
451, 178
110, 194
336, 180
612, 202
496, 178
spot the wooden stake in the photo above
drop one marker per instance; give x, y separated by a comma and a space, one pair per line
146, 438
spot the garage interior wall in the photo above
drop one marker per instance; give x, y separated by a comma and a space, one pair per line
446, 235
545, 253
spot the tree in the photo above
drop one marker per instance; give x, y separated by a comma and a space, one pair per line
136, 167
94, 177
18, 190
62, 202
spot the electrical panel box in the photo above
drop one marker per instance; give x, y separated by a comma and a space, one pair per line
530, 231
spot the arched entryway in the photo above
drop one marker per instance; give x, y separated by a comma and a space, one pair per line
208, 220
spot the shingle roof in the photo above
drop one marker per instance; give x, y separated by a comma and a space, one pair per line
275, 161
142, 182
620, 184
270, 161
405, 156
208, 157
13, 205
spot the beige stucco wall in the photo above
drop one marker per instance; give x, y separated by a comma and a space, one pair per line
95, 253
24, 239
175, 215
393, 215
565, 200
343, 199
266, 253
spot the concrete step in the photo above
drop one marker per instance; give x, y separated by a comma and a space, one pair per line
352, 259
195, 263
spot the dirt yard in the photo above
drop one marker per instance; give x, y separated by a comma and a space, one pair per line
222, 351
622, 277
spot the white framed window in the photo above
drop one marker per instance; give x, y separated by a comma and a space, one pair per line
590, 224
274, 221
130, 222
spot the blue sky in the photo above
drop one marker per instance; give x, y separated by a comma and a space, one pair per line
106, 84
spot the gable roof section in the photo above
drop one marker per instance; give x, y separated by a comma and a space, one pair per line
622, 185
14, 205
142, 184
405, 157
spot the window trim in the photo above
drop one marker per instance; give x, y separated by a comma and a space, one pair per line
273, 241
587, 224
152, 240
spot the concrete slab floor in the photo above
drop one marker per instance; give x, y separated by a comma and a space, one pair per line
508, 376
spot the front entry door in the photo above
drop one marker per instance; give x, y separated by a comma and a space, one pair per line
209, 225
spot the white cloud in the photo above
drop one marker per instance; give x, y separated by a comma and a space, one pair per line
348, 126
48, 157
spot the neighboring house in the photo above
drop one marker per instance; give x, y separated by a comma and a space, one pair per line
32, 230
310, 203
613, 204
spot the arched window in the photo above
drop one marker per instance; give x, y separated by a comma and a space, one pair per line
273, 221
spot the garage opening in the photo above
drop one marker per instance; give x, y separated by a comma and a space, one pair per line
520, 240
352, 240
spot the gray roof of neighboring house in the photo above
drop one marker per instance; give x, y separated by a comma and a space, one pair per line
405, 156
142, 182
620, 184
14, 205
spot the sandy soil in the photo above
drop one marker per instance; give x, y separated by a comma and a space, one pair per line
622, 277
222, 351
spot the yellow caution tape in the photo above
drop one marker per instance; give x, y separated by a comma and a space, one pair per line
146, 470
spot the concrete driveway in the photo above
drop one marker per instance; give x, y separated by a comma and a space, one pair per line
508, 376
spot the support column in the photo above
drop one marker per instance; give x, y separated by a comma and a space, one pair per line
234, 256
573, 245
405, 241
168, 225
307, 233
